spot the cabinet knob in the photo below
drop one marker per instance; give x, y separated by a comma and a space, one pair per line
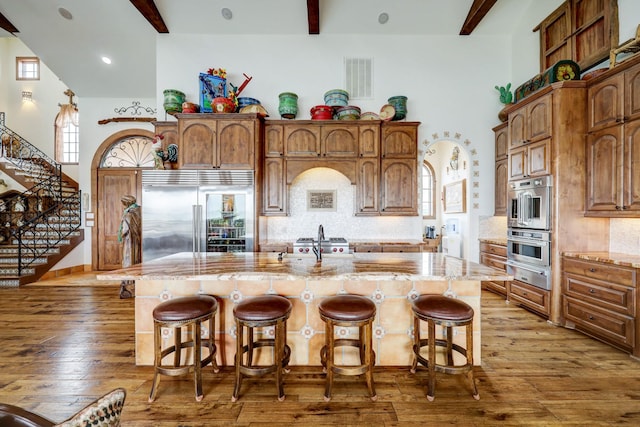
524, 293
591, 317
593, 270
592, 291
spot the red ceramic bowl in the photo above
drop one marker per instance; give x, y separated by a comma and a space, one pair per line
223, 105
321, 112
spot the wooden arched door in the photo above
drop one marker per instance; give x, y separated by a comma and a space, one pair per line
115, 172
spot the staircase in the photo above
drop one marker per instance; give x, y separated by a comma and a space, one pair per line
40, 225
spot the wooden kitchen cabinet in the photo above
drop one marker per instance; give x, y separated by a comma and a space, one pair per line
399, 169
613, 171
530, 123
218, 141
494, 255
606, 102
367, 186
599, 299
530, 297
380, 159
275, 193
398, 187
530, 160
501, 169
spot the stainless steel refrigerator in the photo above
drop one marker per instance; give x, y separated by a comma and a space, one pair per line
197, 211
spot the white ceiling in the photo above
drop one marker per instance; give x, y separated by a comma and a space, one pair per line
72, 48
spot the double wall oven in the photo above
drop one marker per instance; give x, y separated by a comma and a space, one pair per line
529, 230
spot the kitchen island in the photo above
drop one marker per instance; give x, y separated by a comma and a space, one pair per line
391, 280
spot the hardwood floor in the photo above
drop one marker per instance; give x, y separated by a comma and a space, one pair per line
69, 340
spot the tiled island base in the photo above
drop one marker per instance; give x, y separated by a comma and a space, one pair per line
390, 281
392, 330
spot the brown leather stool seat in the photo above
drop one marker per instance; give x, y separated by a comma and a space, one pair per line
348, 311
177, 313
261, 312
448, 313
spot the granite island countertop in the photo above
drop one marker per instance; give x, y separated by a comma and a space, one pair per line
265, 265
616, 258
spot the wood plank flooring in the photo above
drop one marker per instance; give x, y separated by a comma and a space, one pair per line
69, 340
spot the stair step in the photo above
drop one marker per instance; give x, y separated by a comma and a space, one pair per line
4, 261
9, 283
12, 250
14, 271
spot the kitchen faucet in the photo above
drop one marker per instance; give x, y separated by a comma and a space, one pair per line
318, 250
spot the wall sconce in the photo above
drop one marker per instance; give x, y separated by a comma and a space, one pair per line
27, 96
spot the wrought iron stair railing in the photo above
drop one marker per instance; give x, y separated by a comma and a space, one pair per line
43, 216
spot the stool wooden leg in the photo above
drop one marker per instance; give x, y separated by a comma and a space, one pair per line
416, 344
432, 360
329, 345
238, 360
449, 340
472, 380
213, 349
249, 346
177, 333
197, 360
278, 356
157, 360
367, 341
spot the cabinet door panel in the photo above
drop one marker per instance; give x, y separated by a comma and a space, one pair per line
399, 187
517, 162
339, 141
235, 144
274, 143
632, 93
606, 103
301, 141
369, 141
502, 178
631, 167
367, 188
274, 199
517, 121
603, 175
399, 140
539, 159
197, 145
539, 116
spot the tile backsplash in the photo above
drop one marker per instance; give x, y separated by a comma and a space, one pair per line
342, 222
625, 236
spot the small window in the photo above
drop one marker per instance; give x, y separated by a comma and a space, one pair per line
428, 193
27, 68
67, 134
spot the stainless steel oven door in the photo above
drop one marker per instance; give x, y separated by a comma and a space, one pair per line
533, 275
530, 203
529, 247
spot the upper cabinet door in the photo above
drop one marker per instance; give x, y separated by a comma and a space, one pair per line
236, 141
606, 102
632, 93
197, 144
301, 141
539, 119
339, 140
399, 139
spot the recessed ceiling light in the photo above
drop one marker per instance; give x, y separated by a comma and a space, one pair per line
383, 18
106, 60
65, 13
226, 13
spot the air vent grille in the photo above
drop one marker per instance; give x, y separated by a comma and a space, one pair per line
359, 77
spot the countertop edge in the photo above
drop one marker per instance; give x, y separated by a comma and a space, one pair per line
615, 258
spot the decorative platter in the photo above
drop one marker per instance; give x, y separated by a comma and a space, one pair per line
387, 112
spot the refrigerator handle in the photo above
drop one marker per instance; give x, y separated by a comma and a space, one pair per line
195, 228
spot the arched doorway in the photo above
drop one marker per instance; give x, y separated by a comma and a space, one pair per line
114, 173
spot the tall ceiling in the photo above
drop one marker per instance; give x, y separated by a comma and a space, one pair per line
72, 48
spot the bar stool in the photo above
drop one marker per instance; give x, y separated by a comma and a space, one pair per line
187, 312
348, 311
448, 313
260, 312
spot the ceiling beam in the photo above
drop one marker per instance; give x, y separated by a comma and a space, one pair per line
313, 16
479, 10
149, 10
6, 25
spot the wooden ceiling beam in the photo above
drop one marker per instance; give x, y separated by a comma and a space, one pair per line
149, 10
6, 25
478, 10
313, 16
